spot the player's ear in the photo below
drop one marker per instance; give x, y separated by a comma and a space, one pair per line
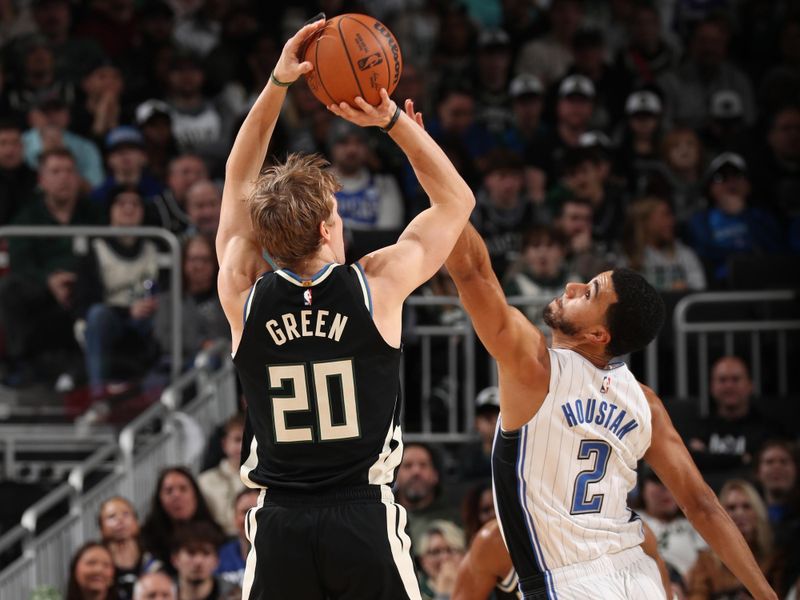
598, 335
324, 231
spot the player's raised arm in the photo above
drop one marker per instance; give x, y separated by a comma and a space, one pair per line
425, 243
671, 461
239, 254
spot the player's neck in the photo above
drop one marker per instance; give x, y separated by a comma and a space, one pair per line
593, 354
309, 267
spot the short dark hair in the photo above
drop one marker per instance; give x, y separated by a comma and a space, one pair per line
635, 319
192, 535
10, 125
56, 152
544, 234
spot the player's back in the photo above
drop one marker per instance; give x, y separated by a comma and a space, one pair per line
561, 481
321, 384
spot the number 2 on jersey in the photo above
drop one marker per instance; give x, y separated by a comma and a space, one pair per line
289, 393
600, 451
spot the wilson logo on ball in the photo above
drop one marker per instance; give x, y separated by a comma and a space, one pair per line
373, 60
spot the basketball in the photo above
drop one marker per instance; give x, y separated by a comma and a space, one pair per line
353, 55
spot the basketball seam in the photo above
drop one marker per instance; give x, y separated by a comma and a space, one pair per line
347, 51
385, 56
319, 72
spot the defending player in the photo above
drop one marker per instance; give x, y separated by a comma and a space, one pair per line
487, 567
573, 425
317, 349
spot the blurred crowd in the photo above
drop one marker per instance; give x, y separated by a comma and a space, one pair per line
661, 135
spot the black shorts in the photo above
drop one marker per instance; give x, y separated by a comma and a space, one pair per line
350, 544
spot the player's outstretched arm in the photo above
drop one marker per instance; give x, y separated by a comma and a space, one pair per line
425, 243
239, 254
519, 348
650, 547
484, 565
671, 461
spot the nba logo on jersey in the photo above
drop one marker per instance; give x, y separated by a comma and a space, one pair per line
606, 384
307, 298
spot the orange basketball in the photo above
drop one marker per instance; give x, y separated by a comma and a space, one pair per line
353, 55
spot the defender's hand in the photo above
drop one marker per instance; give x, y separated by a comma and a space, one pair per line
289, 68
364, 114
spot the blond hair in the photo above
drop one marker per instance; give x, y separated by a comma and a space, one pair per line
762, 544
453, 535
287, 205
635, 236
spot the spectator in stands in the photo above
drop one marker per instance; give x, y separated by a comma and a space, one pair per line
119, 528
456, 123
731, 437
725, 127
441, 548
776, 473
196, 122
36, 297
195, 558
709, 578
418, 489
54, 22
584, 176
366, 200
127, 164
203, 205
639, 138
233, 554
688, 88
493, 67
549, 56
99, 107
177, 501
115, 295
453, 55
678, 176
678, 542
155, 586
502, 213
648, 55
649, 247
17, 180
476, 457
111, 24
776, 171
574, 109
541, 272
222, 484
49, 128
574, 219
154, 121
781, 83
729, 226
527, 102
91, 574
477, 509
201, 313
183, 171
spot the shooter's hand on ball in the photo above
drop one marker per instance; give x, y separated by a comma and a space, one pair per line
366, 115
289, 67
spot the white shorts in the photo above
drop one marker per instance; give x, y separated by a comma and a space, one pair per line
627, 575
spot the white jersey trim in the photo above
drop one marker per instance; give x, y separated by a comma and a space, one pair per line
251, 528
318, 277
400, 543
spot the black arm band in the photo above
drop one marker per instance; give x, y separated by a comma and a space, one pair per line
393, 121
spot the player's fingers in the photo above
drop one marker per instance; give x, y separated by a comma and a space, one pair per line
304, 33
306, 67
409, 105
364, 105
385, 100
418, 119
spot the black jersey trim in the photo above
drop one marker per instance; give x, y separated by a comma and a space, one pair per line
362, 276
316, 278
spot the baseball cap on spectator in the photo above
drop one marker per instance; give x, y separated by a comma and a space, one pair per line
594, 139
487, 400
726, 162
340, 130
124, 136
185, 60
150, 109
525, 85
502, 159
52, 101
726, 104
493, 38
643, 102
576, 85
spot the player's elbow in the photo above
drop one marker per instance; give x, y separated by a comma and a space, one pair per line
700, 505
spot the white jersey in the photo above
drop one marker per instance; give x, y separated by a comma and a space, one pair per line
561, 481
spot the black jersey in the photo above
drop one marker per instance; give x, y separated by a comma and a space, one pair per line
321, 384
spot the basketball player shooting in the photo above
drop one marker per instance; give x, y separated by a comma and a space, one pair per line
573, 424
317, 348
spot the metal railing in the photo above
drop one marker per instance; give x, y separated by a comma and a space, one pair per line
727, 329
81, 231
128, 467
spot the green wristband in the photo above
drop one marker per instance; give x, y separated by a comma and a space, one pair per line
275, 80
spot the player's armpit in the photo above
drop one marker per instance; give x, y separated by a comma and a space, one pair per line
673, 464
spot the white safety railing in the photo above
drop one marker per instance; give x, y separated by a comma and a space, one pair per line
128, 468
752, 330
